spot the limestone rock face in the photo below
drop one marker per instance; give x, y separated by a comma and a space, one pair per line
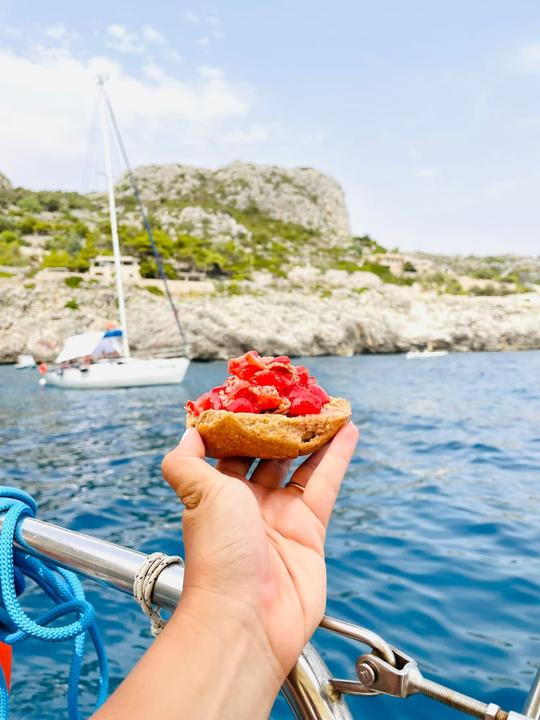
385, 319
301, 196
309, 277
201, 223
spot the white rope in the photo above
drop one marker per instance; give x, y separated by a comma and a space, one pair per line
143, 586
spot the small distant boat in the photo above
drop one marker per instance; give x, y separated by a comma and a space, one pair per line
423, 354
24, 362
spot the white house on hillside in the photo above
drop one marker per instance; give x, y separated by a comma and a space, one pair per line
102, 266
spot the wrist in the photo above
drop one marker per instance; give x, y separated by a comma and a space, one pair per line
230, 639
205, 611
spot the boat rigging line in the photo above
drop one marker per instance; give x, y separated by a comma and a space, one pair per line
142, 210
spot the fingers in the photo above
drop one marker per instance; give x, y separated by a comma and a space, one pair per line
323, 474
295, 487
302, 474
237, 467
186, 471
270, 473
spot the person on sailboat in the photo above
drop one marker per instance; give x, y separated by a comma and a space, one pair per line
254, 589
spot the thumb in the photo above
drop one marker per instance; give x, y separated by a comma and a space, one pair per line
190, 445
186, 471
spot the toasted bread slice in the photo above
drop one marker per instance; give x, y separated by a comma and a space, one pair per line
269, 435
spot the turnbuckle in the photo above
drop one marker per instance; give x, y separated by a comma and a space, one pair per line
389, 671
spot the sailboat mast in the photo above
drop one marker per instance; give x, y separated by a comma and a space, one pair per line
146, 222
114, 225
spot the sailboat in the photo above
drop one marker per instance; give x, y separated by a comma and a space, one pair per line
96, 360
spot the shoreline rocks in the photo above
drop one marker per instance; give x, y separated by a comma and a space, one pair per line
383, 319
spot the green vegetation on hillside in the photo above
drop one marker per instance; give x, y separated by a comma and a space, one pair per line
10, 248
73, 281
385, 274
67, 230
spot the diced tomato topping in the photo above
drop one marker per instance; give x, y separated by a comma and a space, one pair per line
305, 406
246, 365
319, 392
303, 375
209, 401
304, 401
280, 376
242, 405
253, 358
264, 384
268, 398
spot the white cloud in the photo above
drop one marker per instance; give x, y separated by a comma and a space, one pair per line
151, 35
173, 54
127, 41
215, 23
52, 97
255, 134
56, 31
119, 38
153, 72
191, 17
204, 40
210, 72
427, 172
528, 58
9, 31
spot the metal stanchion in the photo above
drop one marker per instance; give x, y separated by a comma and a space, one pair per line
532, 704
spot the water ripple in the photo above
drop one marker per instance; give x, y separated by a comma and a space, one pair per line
434, 542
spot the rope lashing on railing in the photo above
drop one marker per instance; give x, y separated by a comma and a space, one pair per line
143, 586
61, 586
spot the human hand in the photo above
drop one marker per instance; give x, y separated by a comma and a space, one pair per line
256, 549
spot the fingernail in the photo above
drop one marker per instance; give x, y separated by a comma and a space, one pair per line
184, 435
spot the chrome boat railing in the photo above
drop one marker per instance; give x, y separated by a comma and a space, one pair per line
308, 689
532, 704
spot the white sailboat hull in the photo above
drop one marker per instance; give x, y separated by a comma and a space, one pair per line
122, 373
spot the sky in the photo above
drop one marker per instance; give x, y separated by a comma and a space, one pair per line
427, 112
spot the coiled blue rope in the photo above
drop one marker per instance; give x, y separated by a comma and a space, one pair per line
62, 587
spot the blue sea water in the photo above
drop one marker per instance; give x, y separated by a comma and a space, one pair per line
434, 543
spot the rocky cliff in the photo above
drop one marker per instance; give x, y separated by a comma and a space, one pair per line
383, 319
288, 276
297, 196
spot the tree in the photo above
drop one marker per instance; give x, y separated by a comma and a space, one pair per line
30, 203
10, 253
57, 258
